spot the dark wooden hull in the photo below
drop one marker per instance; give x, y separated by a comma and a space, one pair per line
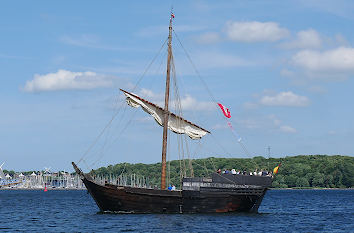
124, 199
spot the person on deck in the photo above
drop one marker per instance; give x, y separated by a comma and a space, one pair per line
233, 171
173, 188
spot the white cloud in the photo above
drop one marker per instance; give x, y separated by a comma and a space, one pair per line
270, 122
287, 73
287, 129
251, 123
67, 80
275, 120
188, 103
304, 39
285, 99
336, 60
341, 40
255, 31
146, 93
279, 126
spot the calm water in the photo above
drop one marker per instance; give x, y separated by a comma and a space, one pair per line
75, 211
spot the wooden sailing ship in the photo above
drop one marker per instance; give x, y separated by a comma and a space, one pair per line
219, 193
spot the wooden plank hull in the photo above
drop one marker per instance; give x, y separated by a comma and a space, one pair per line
123, 199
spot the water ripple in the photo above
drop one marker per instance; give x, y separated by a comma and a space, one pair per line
75, 211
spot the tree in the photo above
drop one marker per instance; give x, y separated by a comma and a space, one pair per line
302, 182
291, 180
337, 178
348, 174
296, 171
318, 180
328, 181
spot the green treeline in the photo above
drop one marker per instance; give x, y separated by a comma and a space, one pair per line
297, 171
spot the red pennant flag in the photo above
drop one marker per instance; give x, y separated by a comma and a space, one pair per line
225, 110
172, 15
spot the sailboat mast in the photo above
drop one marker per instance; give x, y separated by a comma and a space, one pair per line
166, 112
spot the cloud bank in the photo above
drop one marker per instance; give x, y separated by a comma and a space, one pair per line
304, 40
336, 60
279, 126
255, 31
67, 80
287, 129
288, 99
188, 103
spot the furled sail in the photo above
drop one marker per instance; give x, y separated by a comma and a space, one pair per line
175, 123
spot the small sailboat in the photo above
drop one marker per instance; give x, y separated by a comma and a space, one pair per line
218, 193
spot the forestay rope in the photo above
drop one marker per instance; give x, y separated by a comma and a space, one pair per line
211, 95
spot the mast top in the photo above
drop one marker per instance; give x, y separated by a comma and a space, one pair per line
171, 18
172, 14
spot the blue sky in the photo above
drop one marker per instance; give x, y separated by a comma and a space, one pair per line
283, 68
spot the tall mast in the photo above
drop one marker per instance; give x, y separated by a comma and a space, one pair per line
165, 117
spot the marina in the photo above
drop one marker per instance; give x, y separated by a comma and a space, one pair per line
41, 180
65, 180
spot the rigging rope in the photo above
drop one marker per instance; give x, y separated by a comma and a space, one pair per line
118, 110
205, 85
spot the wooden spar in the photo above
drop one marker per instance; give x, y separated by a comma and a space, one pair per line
165, 118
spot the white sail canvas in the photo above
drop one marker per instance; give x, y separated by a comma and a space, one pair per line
175, 123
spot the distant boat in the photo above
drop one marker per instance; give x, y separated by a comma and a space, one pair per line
219, 193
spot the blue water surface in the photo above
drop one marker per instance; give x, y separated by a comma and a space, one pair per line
75, 211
